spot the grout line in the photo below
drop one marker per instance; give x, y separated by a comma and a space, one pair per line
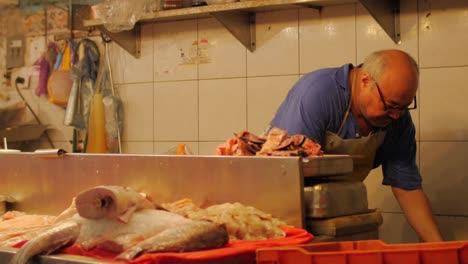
246, 51
208, 79
299, 40
246, 104
154, 94
247, 77
442, 215
198, 92
355, 34
154, 87
163, 141
453, 215
442, 67
391, 212
443, 141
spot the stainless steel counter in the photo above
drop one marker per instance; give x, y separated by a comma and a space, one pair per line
7, 253
46, 182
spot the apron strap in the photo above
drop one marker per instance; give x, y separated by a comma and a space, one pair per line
349, 104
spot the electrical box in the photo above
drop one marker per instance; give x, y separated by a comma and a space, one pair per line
15, 52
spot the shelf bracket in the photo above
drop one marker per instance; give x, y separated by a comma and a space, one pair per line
240, 24
387, 15
129, 40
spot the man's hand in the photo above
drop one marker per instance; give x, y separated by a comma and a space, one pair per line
415, 206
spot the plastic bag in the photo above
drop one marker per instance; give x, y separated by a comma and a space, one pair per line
180, 149
121, 15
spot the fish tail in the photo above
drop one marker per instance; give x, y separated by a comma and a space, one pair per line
48, 241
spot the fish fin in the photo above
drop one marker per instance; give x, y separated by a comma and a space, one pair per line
196, 235
125, 217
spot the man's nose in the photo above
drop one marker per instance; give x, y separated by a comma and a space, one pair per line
395, 114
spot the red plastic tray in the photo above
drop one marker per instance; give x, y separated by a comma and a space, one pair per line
366, 251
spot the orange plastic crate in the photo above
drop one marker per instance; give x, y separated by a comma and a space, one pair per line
367, 251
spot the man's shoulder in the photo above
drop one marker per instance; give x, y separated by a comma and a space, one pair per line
321, 73
319, 79
326, 77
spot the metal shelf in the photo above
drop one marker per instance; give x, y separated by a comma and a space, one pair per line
239, 18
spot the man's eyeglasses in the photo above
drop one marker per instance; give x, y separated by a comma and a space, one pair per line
411, 106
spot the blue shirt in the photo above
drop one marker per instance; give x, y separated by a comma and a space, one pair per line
317, 103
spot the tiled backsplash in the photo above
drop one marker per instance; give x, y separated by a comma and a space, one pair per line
196, 84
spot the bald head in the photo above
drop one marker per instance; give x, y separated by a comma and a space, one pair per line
395, 68
380, 61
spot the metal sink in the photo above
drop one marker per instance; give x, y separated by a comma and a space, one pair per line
22, 132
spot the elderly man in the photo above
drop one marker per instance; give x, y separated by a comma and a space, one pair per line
363, 111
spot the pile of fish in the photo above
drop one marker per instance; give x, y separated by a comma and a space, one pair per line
275, 143
123, 221
242, 222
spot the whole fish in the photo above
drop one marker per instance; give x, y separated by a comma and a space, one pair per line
157, 229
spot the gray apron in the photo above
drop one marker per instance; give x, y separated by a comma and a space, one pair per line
362, 150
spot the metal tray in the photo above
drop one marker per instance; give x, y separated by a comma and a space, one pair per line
327, 165
332, 199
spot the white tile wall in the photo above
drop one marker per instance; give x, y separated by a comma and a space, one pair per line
380, 196
141, 69
175, 43
277, 44
117, 58
137, 147
209, 148
442, 95
443, 165
261, 111
395, 229
226, 56
327, 37
138, 107
453, 227
442, 33
222, 108
371, 37
176, 111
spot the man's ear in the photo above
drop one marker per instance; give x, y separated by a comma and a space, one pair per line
365, 79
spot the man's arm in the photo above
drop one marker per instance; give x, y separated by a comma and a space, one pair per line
415, 206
